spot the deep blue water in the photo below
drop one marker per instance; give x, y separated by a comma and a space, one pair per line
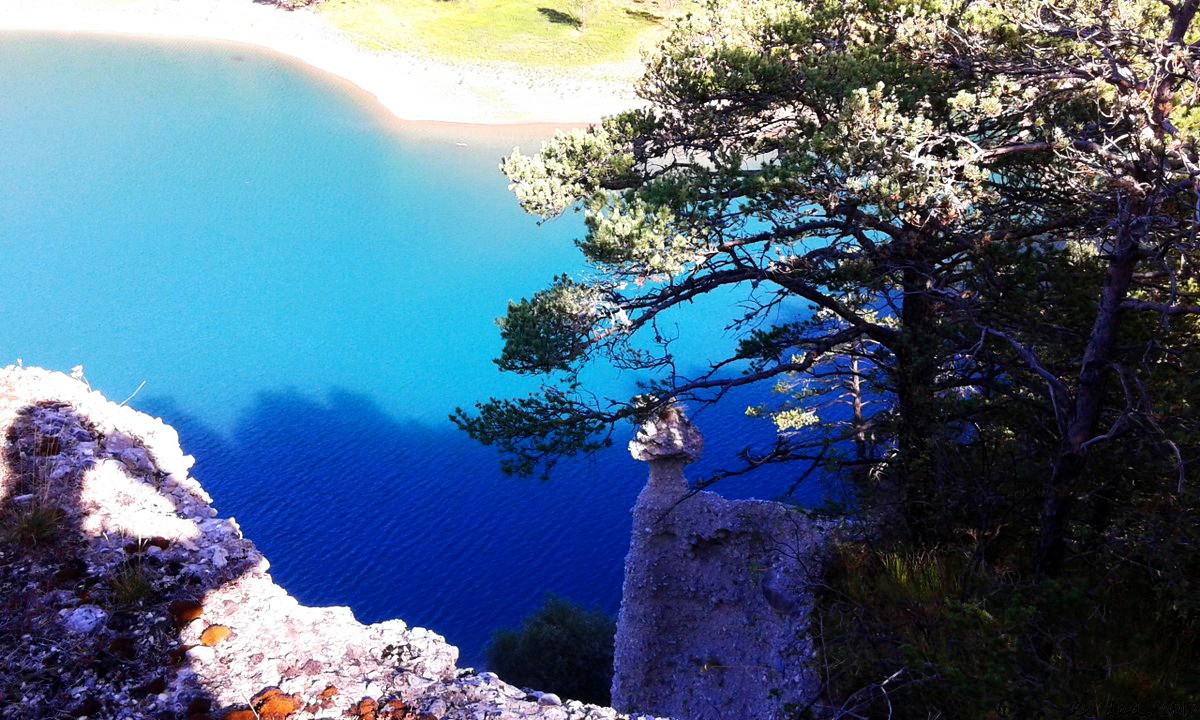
308, 289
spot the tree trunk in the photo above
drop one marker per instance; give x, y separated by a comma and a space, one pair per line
1089, 404
1089, 399
915, 372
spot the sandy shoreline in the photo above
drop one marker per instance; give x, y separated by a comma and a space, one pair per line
409, 87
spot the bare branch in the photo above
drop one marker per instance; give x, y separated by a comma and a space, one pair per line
1161, 307
1059, 393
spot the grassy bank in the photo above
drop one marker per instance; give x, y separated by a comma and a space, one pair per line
539, 33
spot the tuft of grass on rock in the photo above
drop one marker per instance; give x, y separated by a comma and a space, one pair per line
131, 584
34, 524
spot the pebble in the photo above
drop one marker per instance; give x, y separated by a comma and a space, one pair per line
549, 699
85, 619
219, 557
135, 458
117, 443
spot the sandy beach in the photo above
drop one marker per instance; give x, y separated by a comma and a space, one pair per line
408, 86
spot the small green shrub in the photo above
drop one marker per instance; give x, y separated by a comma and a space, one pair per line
561, 648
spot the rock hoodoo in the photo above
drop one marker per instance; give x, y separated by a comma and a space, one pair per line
714, 608
124, 594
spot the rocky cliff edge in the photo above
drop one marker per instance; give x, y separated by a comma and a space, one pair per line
123, 593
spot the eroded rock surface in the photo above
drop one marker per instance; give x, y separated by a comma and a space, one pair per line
715, 604
123, 594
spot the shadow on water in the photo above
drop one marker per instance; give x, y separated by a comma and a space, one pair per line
399, 519
402, 519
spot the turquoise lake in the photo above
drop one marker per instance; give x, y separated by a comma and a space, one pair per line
308, 288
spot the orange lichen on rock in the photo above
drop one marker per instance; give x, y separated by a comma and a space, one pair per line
214, 634
272, 704
364, 710
185, 611
325, 697
369, 709
239, 715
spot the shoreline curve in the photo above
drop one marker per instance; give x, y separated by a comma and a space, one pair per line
409, 87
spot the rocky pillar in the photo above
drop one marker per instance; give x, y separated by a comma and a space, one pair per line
668, 442
715, 601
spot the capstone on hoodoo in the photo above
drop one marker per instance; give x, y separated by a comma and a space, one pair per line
123, 594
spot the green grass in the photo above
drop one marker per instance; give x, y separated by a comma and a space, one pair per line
538, 33
131, 584
982, 642
34, 525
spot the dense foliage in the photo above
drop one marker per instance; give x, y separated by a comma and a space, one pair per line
989, 212
561, 648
